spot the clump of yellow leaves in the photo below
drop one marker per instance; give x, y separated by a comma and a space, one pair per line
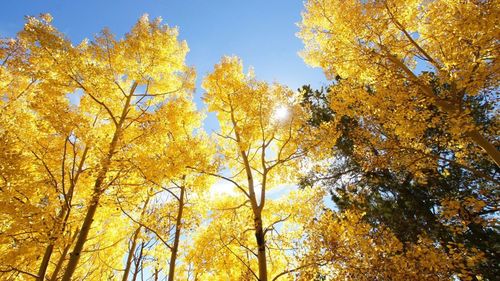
346, 247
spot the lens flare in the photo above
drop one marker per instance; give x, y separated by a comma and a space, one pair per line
281, 113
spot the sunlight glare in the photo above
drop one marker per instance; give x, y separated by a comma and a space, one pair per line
281, 113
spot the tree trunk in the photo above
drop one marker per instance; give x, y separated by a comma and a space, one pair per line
261, 246
256, 208
451, 109
50, 248
128, 264
98, 190
45, 261
62, 258
178, 226
82, 237
137, 263
489, 148
157, 272
63, 215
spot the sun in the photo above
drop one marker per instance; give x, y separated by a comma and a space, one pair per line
280, 113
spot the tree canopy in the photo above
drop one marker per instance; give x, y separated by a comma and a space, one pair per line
389, 172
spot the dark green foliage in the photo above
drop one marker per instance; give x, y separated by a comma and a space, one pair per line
396, 199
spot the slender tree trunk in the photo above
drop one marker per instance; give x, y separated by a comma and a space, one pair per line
128, 264
50, 247
178, 226
60, 263
259, 231
490, 149
62, 258
451, 109
45, 261
157, 272
261, 247
98, 190
256, 208
137, 263
82, 238
63, 216
257, 216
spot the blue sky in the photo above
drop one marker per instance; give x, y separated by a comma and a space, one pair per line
261, 32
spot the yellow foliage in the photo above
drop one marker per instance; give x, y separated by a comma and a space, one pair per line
379, 49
